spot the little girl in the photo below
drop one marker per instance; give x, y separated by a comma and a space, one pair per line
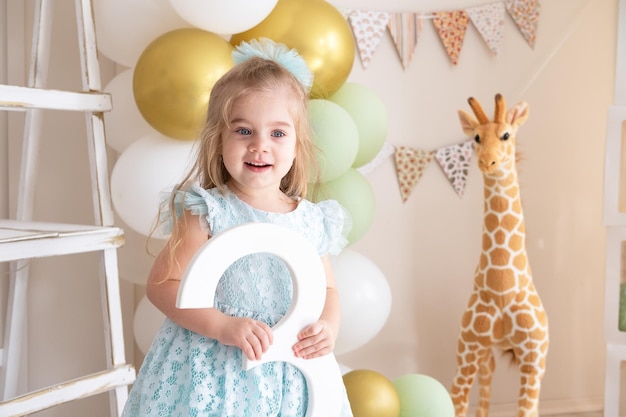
254, 162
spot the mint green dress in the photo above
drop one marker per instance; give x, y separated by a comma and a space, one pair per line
185, 374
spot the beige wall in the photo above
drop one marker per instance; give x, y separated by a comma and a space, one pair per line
427, 247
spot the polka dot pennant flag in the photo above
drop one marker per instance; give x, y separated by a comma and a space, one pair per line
451, 27
489, 21
525, 13
368, 27
410, 165
404, 29
454, 161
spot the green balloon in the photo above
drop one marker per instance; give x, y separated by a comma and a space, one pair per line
336, 136
423, 396
370, 116
354, 192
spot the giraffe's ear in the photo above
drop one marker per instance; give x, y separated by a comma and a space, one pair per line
468, 123
517, 115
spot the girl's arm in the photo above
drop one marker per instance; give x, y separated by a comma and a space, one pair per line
318, 339
252, 336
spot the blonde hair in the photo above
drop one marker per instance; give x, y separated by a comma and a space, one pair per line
255, 75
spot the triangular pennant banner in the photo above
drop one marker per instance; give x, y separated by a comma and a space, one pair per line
489, 21
525, 13
410, 165
451, 27
404, 29
454, 161
368, 28
386, 150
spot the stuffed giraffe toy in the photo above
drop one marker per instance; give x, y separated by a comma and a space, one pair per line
504, 311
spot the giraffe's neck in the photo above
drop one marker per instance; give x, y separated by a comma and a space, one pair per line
503, 204
503, 270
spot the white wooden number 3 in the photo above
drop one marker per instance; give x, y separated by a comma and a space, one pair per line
198, 285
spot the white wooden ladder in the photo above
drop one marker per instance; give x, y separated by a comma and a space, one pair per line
22, 238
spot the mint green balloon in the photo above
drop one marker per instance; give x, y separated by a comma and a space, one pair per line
423, 396
335, 135
354, 192
370, 116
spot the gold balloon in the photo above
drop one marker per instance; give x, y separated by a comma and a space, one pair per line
371, 394
318, 31
174, 76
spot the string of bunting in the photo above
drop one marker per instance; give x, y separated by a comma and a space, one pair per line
369, 27
454, 161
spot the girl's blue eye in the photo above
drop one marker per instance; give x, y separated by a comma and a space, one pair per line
278, 134
244, 131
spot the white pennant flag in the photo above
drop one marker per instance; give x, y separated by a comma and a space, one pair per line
368, 27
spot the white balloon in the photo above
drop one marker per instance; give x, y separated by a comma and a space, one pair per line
154, 163
124, 28
223, 17
124, 123
365, 299
146, 323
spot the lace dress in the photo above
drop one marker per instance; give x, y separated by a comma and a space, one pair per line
185, 374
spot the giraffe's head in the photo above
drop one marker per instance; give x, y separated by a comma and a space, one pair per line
494, 141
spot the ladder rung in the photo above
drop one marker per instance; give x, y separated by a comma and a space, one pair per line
22, 98
22, 240
75, 389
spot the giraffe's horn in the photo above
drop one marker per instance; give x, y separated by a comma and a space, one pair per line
500, 109
478, 110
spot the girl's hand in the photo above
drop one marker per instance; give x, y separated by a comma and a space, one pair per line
253, 337
315, 340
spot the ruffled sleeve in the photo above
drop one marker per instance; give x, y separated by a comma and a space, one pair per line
195, 199
337, 225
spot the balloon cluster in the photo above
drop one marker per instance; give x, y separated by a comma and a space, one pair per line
349, 129
371, 394
174, 61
